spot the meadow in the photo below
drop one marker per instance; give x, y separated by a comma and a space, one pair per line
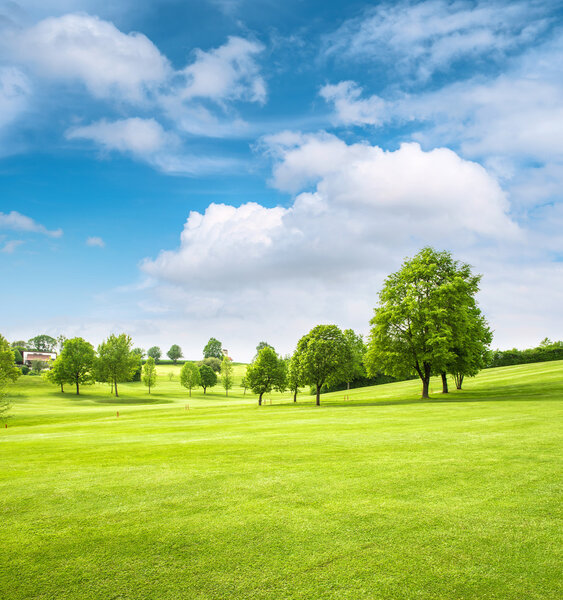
379, 495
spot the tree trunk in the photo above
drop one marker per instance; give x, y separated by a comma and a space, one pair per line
260, 400
425, 386
149, 388
204, 388
190, 392
458, 378
444, 383
295, 396
348, 385
62, 388
116, 394
77, 388
318, 395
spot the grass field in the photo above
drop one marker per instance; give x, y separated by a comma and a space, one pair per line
382, 496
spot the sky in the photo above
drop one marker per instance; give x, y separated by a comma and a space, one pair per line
181, 169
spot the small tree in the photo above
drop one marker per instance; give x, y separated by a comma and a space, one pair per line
174, 353
8, 374
214, 363
244, 385
227, 379
293, 376
213, 348
208, 377
37, 366
116, 362
355, 368
77, 362
322, 354
266, 372
190, 377
149, 373
139, 351
57, 373
156, 353
18, 357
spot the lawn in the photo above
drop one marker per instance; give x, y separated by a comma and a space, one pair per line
380, 496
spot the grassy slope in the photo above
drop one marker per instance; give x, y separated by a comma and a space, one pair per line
381, 496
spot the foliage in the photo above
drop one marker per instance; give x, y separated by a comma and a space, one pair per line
149, 372
174, 353
294, 379
57, 374
139, 351
266, 372
155, 352
18, 359
260, 346
323, 354
116, 362
8, 373
44, 343
213, 348
546, 351
421, 314
190, 376
213, 362
37, 366
355, 367
20, 344
77, 360
25, 369
227, 380
208, 377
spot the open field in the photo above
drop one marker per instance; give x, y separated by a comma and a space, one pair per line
382, 496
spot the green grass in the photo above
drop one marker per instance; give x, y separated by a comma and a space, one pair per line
382, 496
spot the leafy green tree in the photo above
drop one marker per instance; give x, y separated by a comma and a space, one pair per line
266, 372
174, 353
208, 377
213, 348
214, 363
322, 354
260, 346
244, 385
149, 372
18, 359
116, 362
155, 352
20, 344
294, 381
190, 376
471, 346
57, 374
139, 351
355, 368
77, 362
227, 379
421, 312
37, 366
44, 343
8, 374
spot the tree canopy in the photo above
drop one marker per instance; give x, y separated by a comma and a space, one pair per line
149, 372
213, 348
266, 372
321, 354
155, 352
208, 377
77, 362
190, 376
116, 362
423, 310
44, 343
174, 353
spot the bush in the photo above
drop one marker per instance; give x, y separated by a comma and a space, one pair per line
545, 352
25, 369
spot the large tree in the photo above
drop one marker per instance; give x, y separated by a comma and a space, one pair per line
189, 376
149, 372
77, 360
44, 343
8, 373
421, 312
266, 372
116, 361
174, 353
213, 348
155, 352
227, 379
322, 354
208, 377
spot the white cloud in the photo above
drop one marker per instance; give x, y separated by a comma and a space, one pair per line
82, 47
357, 211
229, 72
96, 242
10, 246
15, 221
350, 108
139, 136
424, 37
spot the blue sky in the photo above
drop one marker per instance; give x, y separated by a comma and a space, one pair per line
246, 170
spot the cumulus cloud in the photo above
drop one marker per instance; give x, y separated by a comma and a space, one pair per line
422, 38
357, 209
81, 47
350, 107
95, 242
15, 221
